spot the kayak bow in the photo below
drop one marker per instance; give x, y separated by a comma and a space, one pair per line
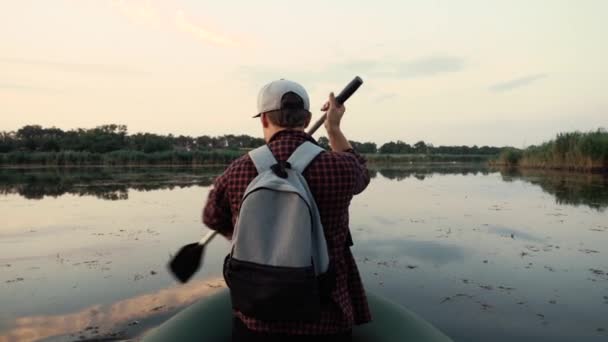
210, 319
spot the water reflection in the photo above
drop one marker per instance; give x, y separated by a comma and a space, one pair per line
422, 171
568, 188
120, 320
431, 252
484, 255
104, 183
513, 233
114, 183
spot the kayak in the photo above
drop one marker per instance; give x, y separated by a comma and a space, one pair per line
210, 319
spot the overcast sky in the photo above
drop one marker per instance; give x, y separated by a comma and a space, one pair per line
449, 72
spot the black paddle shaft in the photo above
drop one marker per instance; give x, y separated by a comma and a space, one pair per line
340, 99
349, 90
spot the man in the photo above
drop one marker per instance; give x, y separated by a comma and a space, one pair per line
333, 177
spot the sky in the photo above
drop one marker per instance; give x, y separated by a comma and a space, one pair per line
447, 72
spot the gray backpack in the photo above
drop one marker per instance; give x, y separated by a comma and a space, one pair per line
278, 267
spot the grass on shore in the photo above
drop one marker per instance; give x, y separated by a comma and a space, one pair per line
198, 157
575, 151
122, 157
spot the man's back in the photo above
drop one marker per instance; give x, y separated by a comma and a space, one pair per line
333, 179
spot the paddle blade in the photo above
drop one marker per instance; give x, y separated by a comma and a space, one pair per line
187, 261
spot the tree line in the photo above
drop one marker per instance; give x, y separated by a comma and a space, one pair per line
112, 138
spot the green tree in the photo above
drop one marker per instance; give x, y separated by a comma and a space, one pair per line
8, 142
398, 147
30, 136
366, 147
420, 147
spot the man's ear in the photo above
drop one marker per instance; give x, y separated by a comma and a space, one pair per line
265, 121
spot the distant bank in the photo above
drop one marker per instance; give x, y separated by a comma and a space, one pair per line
575, 151
110, 145
197, 158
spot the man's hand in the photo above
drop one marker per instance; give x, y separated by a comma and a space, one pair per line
335, 111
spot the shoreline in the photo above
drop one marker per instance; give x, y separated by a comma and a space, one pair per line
567, 169
372, 160
106, 166
198, 166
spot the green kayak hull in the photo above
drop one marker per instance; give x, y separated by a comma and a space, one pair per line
210, 319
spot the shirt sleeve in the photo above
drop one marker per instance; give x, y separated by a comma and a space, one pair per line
217, 214
360, 173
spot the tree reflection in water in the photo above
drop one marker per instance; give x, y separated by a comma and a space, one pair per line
114, 183
589, 189
422, 171
104, 183
568, 188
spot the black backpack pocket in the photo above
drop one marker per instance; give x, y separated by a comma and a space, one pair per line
273, 293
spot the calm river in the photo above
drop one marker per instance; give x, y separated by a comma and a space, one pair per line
483, 255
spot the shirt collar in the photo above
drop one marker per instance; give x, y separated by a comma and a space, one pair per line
291, 134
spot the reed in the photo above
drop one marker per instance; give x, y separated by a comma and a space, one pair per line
575, 151
121, 157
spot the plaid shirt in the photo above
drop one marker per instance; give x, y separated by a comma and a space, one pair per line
333, 178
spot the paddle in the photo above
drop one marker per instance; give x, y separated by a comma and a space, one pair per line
190, 257
340, 99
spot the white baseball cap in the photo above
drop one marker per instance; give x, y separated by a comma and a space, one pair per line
271, 95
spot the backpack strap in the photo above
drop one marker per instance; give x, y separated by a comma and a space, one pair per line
262, 158
303, 155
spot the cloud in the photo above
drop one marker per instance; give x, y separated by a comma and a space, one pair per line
428, 66
516, 83
23, 87
416, 68
204, 34
385, 97
140, 12
261, 74
74, 66
151, 13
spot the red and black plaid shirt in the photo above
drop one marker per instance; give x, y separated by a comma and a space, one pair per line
333, 178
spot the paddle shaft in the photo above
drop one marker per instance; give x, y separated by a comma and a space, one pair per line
207, 237
340, 99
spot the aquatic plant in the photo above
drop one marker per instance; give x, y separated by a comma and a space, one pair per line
577, 151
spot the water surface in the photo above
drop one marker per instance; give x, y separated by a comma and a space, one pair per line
483, 255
